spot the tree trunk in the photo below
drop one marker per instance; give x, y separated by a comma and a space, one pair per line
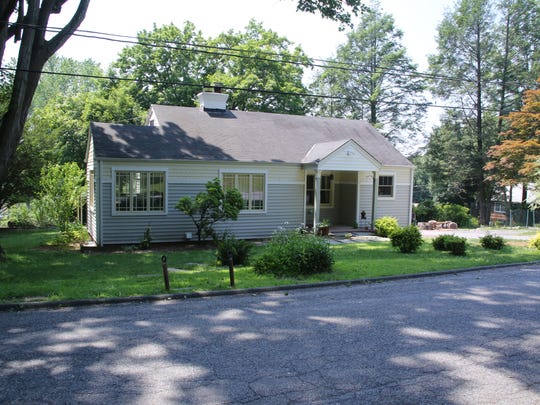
34, 51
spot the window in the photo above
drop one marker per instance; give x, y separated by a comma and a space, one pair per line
326, 189
499, 207
386, 186
137, 191
251, 186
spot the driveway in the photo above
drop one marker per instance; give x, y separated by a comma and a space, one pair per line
509, 234
469, 338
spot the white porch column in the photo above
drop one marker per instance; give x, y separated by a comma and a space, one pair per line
316, 198
374, 198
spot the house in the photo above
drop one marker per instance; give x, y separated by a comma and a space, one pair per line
290, 169
518, 198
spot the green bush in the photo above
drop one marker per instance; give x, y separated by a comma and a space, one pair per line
20, 216
450, 243
455, 213
534, 243
238, 247
146, 240
426, 211
74, 233
492, 242
291, 254
386, 226
407, 239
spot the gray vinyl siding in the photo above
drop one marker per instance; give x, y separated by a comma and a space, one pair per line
397, 207
285, 199
284, 203
400, 205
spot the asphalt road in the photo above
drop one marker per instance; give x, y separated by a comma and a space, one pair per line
470, 338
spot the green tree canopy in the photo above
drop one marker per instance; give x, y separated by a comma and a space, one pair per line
168, 65
269, 67
210, 207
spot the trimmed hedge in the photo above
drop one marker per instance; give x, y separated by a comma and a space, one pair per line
492, 242
386, 226
451, 243
407, 239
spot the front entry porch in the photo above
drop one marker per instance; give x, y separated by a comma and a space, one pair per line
344, 199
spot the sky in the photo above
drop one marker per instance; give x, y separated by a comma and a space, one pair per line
319, 38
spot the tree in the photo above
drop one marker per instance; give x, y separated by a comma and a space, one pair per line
71, 77
462, 69
211, 206
338, 10
167, 64
34, 50
517, 61
62, 190
382, 86
263, 62
516, 159
451, 159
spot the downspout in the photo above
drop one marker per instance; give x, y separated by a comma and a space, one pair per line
373, 199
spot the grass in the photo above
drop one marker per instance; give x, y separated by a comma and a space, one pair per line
35, 271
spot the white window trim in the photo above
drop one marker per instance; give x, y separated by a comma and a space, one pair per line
138, 169
249, 171
394, 183
332, 190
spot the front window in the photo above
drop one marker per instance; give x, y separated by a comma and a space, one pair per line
386, 186
137, 191
251, 186
326, 189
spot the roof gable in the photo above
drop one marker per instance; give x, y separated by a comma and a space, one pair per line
341, 155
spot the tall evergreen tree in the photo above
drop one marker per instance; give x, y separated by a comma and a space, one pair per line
372, 78
463, 69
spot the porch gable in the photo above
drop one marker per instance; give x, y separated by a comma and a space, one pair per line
346, 155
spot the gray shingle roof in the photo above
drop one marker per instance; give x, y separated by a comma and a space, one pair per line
192, 134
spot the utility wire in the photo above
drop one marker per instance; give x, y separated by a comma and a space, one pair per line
250, 90
240, 53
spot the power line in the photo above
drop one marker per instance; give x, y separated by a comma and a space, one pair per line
240, 53
250, 90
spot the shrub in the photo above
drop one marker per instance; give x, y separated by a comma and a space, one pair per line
291, 254
207, 208
20, 216
426, 211
385, 226
75, 233
492, 242
239, 248
455, 213
535, 242
407, 239
451, 243
146, 240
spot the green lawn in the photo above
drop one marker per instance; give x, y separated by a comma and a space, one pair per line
35, 271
